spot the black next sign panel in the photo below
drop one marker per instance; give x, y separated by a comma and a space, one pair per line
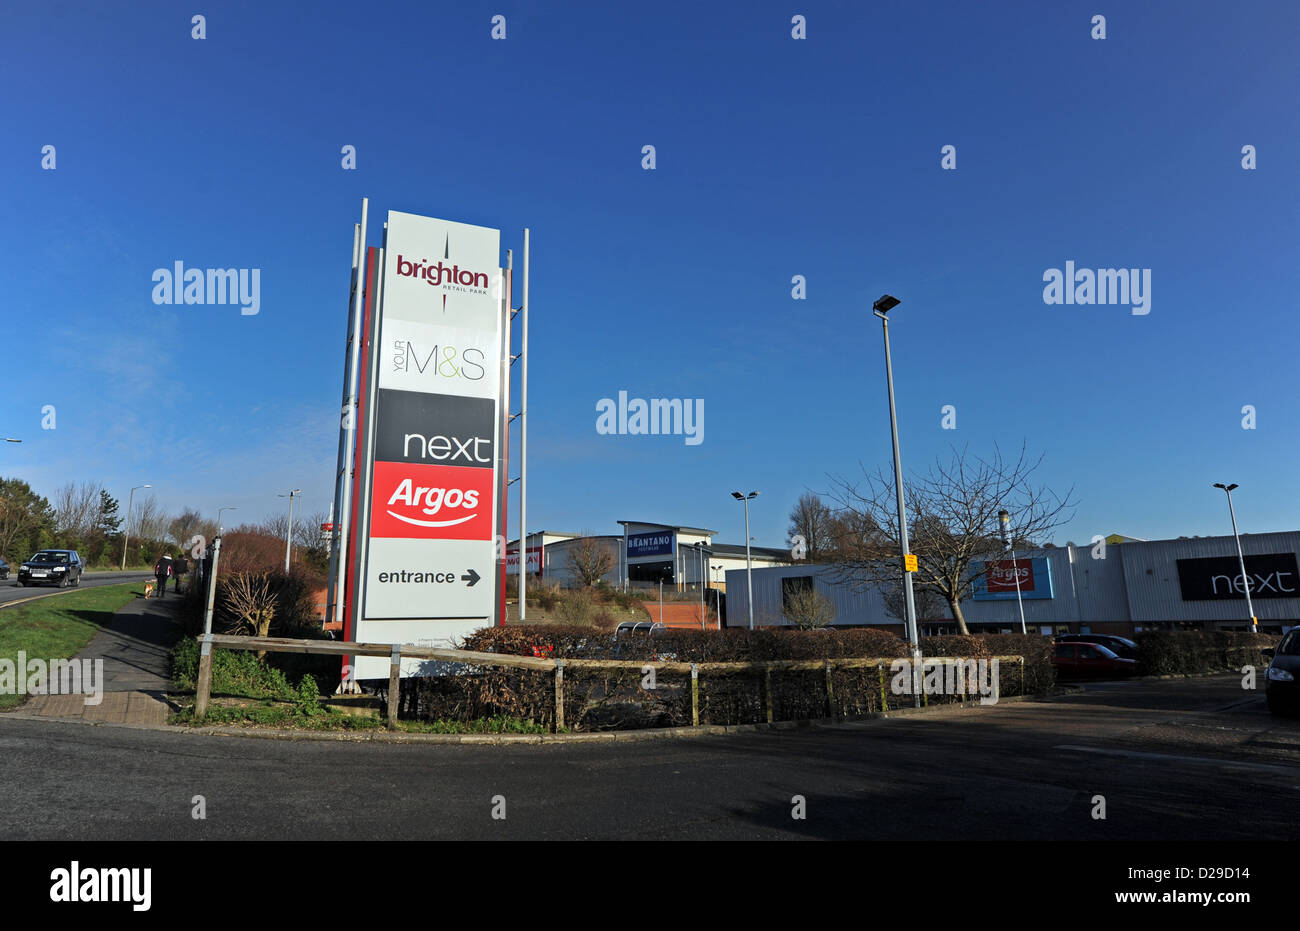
434, 429
1272, 575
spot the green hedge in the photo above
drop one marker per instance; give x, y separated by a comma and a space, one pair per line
1193, 652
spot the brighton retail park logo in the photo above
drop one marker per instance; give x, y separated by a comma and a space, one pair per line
449, 277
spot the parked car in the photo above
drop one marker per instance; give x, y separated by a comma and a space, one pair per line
4, 569
1090, 661
1120, 646
52, 567
1282, 683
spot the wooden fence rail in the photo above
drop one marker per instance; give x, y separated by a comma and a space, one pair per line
398, 652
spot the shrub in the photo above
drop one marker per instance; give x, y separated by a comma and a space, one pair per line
576, 607
234, 672
1188, 652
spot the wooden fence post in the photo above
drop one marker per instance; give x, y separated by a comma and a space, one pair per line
767, 691
830, 694
884, 701
559, 695
695, 694
394, 684
203, 688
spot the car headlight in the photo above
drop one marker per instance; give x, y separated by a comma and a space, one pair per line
59, 569
1280, 675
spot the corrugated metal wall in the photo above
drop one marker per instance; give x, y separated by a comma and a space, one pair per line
1122, 583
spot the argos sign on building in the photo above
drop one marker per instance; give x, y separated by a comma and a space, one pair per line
430, 499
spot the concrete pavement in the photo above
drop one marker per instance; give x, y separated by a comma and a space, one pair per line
136, 652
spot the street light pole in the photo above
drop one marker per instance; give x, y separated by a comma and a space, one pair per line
126, 533
881, 309
288, 537
1005, 519
1245, 579
749, 566
219, 525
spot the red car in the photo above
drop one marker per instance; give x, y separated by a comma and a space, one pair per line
1090, 661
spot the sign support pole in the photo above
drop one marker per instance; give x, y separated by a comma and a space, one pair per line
523, 445
343, 477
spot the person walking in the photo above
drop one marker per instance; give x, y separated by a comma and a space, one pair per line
162, 571
180, 567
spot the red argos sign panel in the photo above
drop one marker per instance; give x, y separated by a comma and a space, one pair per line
429, 502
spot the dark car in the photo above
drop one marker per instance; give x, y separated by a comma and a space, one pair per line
1120, 646
1282, 685
4, 569
1090, 661
51, 567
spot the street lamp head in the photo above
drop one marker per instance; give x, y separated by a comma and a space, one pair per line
886, 303
738, 496
1225, 487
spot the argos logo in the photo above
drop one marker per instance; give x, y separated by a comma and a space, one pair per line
1002, 576
433, 499
431, 502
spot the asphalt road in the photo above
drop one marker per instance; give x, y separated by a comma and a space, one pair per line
10, 590
1174, 759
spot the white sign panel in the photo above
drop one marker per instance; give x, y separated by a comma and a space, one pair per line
430, 557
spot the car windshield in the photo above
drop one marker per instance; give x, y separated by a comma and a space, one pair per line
50, 557
1290, 645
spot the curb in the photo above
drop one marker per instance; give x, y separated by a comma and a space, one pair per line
659, 733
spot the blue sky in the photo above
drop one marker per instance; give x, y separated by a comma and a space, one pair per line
775, 158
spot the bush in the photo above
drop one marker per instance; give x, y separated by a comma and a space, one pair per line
576, 607
234, 672
1192, 652
1040, 674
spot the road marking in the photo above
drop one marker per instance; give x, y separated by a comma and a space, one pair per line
1166, 757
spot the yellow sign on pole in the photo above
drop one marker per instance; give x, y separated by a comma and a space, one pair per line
909, 562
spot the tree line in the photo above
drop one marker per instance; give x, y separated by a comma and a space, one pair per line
85, 517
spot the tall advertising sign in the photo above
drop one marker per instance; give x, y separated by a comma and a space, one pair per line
430, 557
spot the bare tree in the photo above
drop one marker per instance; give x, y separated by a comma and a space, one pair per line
590, 558
76, 508
250, 601
277, 526
930, 605
812, 520
952, 521
185, 526
150, 521
807, 608
307, 533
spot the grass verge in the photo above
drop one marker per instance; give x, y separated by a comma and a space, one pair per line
275, 702
59, 627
